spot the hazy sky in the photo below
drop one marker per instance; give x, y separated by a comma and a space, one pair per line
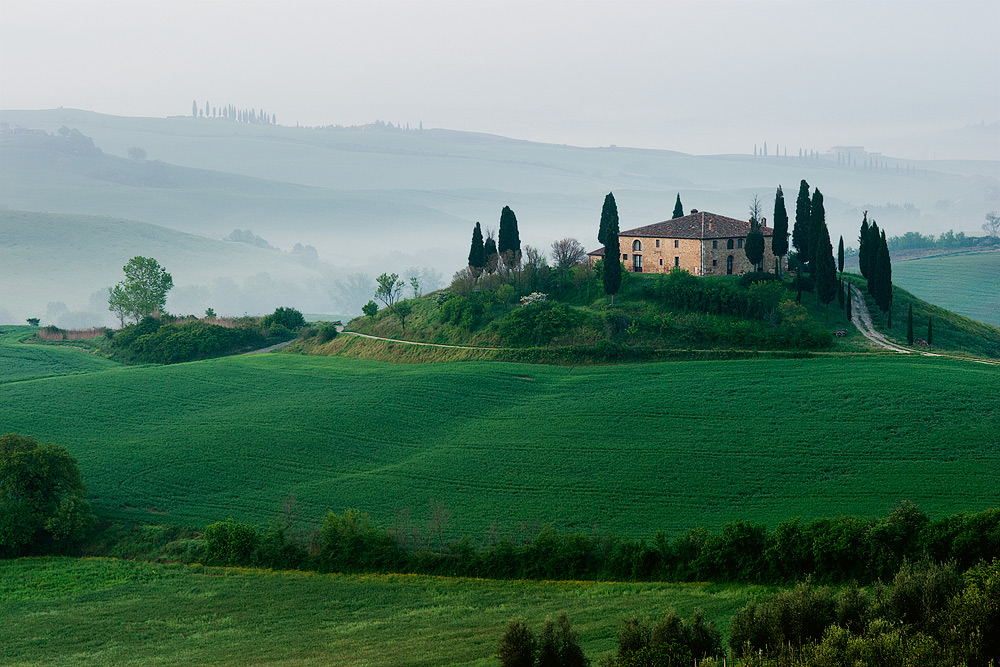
902, 77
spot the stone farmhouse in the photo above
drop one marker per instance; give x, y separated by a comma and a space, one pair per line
701, 243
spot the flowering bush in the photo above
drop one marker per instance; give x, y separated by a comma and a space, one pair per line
534, 297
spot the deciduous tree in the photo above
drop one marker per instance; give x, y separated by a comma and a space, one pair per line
992, 224
566, 253
389, 288
517, 646
143, 293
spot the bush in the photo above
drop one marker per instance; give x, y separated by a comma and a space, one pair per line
748, 279
230, 543
151, 342
289, 318
464, 311
537, 324
43, 504
327, 332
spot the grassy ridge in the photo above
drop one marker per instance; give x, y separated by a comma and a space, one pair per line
28, 362
627, 448
967, 283
109, 612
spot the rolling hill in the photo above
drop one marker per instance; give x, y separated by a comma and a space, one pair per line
631, 448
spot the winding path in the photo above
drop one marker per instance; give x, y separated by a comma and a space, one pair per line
862, 319
413, 342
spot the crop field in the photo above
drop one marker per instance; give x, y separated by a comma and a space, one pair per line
27, 362
630, 449
967, 283
110, 612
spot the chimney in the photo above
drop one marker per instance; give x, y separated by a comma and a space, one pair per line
693, 211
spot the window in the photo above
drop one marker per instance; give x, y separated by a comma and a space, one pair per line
729, 244
715, 262
624, 257
715, 244
739, 243
637, 263
661, 261
677, 261
657, 243
729, 265
636, 246
676, 242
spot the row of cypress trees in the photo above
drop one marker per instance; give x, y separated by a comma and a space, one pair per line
485, 255
811, 239
876, 265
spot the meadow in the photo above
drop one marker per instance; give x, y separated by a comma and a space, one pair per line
966, 283
629, 449
113, 612
28, 362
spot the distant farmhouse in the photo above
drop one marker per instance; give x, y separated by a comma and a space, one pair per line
702, 243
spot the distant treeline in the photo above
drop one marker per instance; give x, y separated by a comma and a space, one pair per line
949, 240
839, 549
230, 112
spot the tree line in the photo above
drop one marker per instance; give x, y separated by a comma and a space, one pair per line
230, 112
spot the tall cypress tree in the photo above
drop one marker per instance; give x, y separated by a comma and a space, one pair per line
824, 269
753, 246
678, 209
490, 255
863, 247
817, 219
612, 264
909, 325
883, 269
508, 239
477, 253
779, 239
840, 257
847, 298
800, 232
874, 242
930, 330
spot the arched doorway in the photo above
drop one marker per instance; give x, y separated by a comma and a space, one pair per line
729, 265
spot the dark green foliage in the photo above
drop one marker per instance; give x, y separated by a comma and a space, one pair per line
874, 244
326, 332
464, 311
508, 238
752, 277
230, 543
517, 646
909, 325
754, 244
153, 342
824, 270
559, 645
864, 248
43, 504
930, 330
840, 294
840, 256
800, 232
633, 635
678, 208
348, 542
490, 253
919, 595
289, 318
883, 271
669, 655
847, 300
370, 309
612, 273
537, 323
143, 293
477, 252
671, 641
779, 240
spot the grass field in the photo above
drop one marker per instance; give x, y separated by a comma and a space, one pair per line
110, 612
28, 362
630, 448
967, 283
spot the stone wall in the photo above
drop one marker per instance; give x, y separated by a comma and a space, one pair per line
661, 255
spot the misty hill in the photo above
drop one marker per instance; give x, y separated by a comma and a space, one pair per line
383, 180
58, 267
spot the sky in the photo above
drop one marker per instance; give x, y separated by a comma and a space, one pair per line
911, 79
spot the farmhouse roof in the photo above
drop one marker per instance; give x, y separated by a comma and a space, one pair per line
597, 253
699, 225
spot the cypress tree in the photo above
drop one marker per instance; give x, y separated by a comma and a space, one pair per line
824, 270
779, 239
848, 301
863, 247
508, 239
817, 219
930, 330
678, 209
840, 293
754, 244
909, 325
477, 253
840, 257
874, 243
800, 232
490, 254
883, 269
612, 264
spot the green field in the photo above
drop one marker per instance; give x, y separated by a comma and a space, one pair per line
28, 362
630, 448
966, 283
111, 612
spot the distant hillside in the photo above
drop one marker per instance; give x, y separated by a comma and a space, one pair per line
69, 261
967, 283
393, 180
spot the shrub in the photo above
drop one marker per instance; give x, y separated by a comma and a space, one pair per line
748, 279
537, 324
230, 543
517, 646
326, 332
464, 311
289, 318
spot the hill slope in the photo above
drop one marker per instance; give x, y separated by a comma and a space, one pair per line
72, 260
627, 448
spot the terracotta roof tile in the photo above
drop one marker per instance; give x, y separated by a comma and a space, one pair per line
701, 225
